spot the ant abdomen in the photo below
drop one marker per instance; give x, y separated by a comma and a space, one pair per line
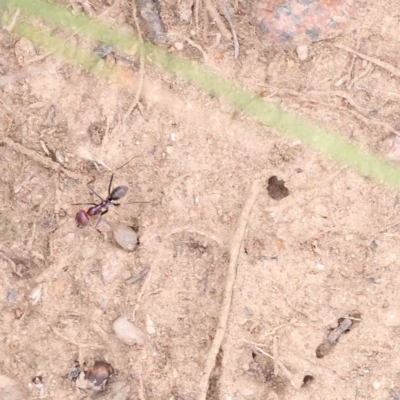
118, 192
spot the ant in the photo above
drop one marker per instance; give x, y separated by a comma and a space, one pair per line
82, 216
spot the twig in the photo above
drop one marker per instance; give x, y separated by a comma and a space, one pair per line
275, 353
372, 121
359, 112
40, 159
230, 281
138, 276
12, 263
389, 67
288, 375
192, 43
10, 79
141, 66
286, 372
198, 47
264, 352
363, 74
205, 24
353, 60
11, 25
217, 41
347, 97
87, 7
216, 17
108, 134
32, 238
84, 153
141, 387
229, 18
141, 293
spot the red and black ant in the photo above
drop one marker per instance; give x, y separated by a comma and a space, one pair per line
82, 217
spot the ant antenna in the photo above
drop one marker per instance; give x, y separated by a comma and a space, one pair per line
122, 166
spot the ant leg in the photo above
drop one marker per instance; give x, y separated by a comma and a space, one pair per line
94, 192
112, 176
110, 184
99, 219
83, 204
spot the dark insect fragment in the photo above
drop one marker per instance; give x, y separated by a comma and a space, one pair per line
276, 188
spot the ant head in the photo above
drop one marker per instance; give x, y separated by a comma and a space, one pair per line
81, 218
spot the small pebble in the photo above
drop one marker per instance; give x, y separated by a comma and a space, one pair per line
302, 52
128, 333
179, 46
12, 296
125, 236
320, 267
150, 326
36, 294
376, 385
59, 157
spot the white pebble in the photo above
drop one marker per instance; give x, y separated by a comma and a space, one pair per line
320, 267
376, 385
302, 52
150, 326
178, 46
36, 294
128, 333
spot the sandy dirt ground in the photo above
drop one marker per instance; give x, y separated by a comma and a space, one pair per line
322, 257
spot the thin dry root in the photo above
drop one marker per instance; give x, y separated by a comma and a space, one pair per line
230, 281
216, 17
141, 67
389, 67
229, 18
40, 159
